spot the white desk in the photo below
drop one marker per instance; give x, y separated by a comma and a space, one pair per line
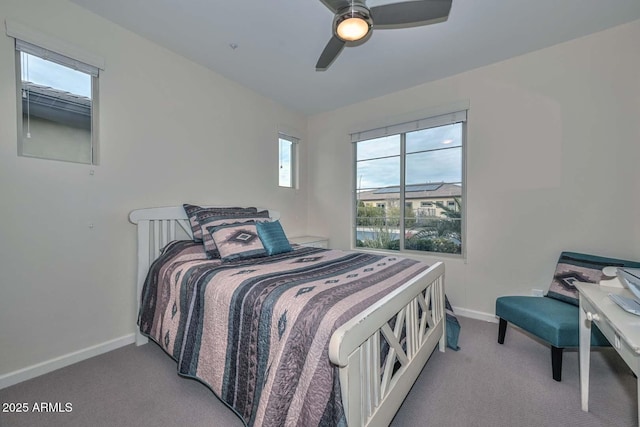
622, 329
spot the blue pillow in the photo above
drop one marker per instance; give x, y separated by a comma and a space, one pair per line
273, 238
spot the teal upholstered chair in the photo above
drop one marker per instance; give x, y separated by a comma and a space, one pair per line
554, 317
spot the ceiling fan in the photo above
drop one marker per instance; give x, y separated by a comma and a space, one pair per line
354, 21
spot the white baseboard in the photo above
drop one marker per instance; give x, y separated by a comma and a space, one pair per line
36, 370
473, 314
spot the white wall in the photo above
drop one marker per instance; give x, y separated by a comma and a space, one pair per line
170, 132
553, 149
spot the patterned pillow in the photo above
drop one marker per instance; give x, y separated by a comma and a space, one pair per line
273, 238
575, 267
193, 210
210, 220
235, 241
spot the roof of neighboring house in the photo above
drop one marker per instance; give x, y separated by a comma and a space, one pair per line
416, 191
56, 94
56, 105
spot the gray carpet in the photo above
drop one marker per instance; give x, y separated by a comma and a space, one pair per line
483, 384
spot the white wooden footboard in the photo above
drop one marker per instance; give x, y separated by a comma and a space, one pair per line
373, 392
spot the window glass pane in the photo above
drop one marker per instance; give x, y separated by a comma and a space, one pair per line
285, 163
56, 76
434, 166
431, 234
436, 225
378, 197
433, 185
56, 111
378, 223
379, 147
435, 138
377, 174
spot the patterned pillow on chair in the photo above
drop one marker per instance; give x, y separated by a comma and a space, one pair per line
575, 267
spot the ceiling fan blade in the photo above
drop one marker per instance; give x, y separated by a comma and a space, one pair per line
410, 13
330, 53
335, 5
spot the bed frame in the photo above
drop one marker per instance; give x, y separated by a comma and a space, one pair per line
371, 392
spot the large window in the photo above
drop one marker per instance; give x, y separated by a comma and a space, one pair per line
410, 186
287, 160
57, 105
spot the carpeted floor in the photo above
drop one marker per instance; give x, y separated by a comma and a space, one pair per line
483, 384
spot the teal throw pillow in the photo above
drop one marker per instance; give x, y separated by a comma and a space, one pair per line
273, 238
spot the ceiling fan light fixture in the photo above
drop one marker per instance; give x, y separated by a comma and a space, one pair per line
353, 24
353, 21
352, 29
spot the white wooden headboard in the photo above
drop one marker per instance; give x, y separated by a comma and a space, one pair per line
156, 228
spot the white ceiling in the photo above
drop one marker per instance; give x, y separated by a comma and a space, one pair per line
279, 41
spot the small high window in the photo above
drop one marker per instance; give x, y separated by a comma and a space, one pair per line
287, 160
57, 105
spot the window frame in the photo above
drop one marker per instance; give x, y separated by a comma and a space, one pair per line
59, 51
93, 149
402, 129
293, 176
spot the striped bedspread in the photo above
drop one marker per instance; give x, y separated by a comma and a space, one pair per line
257, 331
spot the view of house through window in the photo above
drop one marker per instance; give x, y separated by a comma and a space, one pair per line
56, 103
409, 187
287, 161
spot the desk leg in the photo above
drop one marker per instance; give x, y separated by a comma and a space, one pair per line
585, 349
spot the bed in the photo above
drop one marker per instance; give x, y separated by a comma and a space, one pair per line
305, 337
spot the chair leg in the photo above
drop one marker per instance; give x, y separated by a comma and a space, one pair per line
556, 363
502, 330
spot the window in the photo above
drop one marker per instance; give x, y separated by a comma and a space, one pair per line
421, 161
57, 105
287, 159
